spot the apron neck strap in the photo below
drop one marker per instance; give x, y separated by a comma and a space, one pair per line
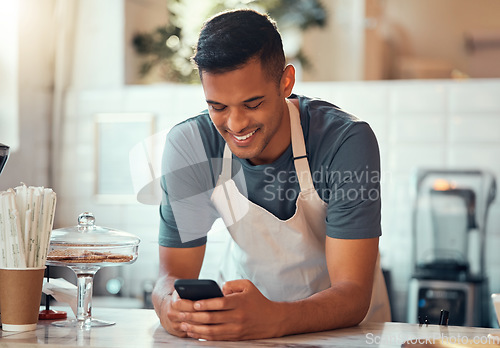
225, 175
298, 148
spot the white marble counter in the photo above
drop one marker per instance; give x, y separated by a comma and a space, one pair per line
140, 328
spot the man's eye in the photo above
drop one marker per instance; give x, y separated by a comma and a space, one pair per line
253, 107
217, 107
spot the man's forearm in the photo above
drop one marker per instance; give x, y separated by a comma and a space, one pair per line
175, 263
164, 287
340, 306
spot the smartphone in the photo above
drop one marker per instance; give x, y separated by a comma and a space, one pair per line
197, 289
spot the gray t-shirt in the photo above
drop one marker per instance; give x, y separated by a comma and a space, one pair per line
343, 157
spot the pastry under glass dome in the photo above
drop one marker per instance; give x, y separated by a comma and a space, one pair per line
86, 248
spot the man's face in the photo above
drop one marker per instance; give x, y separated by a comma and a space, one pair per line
249, 110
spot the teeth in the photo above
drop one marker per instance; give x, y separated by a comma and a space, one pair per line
245, 136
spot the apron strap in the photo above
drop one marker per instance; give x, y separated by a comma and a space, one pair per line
225, 174
298, 148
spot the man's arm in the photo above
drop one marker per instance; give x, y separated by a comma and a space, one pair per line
175, 263
244, 313
351, 265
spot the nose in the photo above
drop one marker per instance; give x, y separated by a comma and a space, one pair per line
237, 121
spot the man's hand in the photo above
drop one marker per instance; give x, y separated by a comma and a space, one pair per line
168, 315
175, 263
243, 313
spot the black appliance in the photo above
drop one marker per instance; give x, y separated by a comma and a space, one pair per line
4, 155
448, 229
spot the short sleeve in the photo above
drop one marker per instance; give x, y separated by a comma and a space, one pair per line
354, 186
186, 211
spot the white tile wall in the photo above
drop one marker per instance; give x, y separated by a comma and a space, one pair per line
405, 157
476, 155
428, 128
474, 127
480, 96
432, 123
415, 97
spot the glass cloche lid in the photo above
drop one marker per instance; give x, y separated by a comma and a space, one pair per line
87, 243
86, 233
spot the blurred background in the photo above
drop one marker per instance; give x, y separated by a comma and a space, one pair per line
83, 82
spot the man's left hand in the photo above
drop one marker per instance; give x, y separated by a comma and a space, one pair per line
243, 313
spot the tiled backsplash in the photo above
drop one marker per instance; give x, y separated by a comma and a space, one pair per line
434, 123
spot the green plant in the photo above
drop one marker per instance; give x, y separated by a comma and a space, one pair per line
169, 47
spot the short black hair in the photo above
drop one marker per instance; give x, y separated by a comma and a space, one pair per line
230, 39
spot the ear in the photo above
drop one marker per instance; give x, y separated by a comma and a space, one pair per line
287, 80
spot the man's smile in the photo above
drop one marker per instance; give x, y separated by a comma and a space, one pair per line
244, 140
244, 137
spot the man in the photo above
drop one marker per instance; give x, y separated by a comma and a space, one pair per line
298, 190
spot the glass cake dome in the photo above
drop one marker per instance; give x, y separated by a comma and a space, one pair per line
86, 248
87, 243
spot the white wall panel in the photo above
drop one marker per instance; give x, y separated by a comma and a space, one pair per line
476, 155
475, 127
475, 96
417, 97
418, 128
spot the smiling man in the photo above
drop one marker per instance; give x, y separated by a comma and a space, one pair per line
296, 182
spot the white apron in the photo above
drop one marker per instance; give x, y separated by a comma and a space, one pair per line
285, 259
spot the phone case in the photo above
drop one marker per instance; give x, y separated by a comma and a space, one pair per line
197, 289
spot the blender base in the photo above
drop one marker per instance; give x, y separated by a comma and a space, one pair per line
463, 300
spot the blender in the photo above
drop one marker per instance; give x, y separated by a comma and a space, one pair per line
449, 231
4, 155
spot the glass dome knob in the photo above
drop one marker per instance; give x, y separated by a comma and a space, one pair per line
86, 220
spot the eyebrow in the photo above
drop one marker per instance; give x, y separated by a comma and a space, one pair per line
244, 101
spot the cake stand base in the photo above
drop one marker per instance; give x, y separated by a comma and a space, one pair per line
83, 324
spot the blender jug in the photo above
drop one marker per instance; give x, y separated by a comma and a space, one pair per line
450, 215
453, 220
450, 210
